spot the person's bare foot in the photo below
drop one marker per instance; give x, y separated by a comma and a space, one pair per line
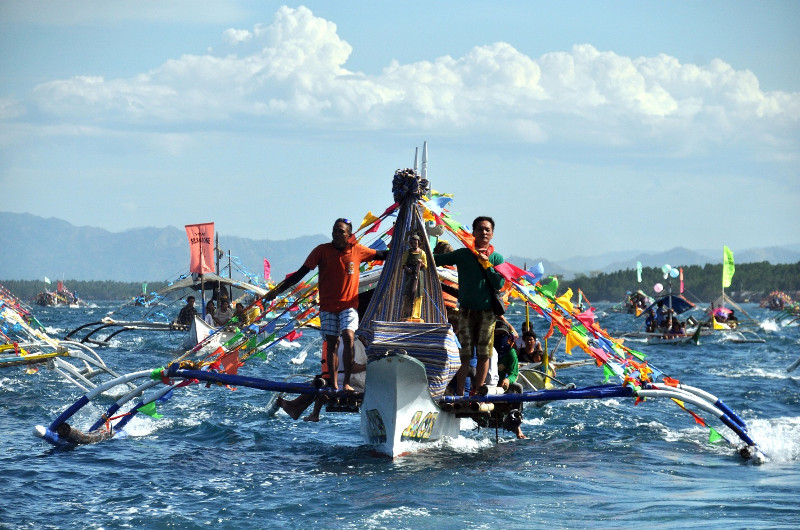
521, 436
311, 417
348, 388
289, 409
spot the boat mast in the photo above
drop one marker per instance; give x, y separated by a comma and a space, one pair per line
424, 171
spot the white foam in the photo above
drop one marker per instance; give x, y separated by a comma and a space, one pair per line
389, 517
778, 438
769, 325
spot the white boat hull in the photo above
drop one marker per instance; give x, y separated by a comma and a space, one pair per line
198, 333
398, 413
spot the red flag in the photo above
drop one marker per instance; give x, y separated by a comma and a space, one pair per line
201, 247
550, 331
230, 362
510, 271
586, 318
374, 228
293, 335
390, 209
681, 271
266, 269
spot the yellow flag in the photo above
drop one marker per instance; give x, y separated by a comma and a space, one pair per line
564, 301
368, 220
575, 339
571, 343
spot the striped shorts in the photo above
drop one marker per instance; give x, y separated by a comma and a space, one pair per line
332, 324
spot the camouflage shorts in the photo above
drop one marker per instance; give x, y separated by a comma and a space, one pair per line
476, 333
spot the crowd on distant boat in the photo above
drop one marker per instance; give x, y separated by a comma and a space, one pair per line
60, 297
664, 321
780, 301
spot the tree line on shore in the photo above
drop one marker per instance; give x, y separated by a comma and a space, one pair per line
27, 290
751, 282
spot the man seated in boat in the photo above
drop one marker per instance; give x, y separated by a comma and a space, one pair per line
241, 317
224, 313
531, 348
295, 407
677, 330
338, 263
186, 316
732, 321
519, 341
210, 313
507, 364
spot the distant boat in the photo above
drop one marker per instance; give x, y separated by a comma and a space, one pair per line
61, 297
100, 332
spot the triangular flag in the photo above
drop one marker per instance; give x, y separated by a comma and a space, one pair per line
714, 436
368, 220
294, 335
230, 362
150, 410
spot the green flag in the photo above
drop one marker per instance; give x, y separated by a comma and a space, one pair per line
233, 340
549, 289
713, 436
639, 355
608, 372
150, 410
727, 267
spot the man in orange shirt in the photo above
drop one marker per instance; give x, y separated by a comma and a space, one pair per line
338, 263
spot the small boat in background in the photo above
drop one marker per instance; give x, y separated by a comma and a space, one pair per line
61, 297
154, 317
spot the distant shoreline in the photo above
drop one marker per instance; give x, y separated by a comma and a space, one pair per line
751, 283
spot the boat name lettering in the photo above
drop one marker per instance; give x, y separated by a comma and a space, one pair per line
420, 428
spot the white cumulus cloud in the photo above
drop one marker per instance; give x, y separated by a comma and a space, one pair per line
294, 69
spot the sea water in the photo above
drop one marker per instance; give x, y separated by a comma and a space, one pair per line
216, 459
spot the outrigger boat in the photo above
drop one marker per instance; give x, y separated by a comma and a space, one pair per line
738, 330
26, 344
154, 318
405, 404
673, 304
61, 297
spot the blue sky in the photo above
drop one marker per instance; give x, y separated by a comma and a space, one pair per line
581, 127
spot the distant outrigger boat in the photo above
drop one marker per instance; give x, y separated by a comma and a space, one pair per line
404, 404
61, 297
101, 332
739, 330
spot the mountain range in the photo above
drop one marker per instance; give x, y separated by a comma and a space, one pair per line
36, 247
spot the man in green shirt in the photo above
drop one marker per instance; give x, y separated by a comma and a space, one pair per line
475, 316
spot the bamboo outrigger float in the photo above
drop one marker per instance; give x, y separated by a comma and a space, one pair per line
411, 361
